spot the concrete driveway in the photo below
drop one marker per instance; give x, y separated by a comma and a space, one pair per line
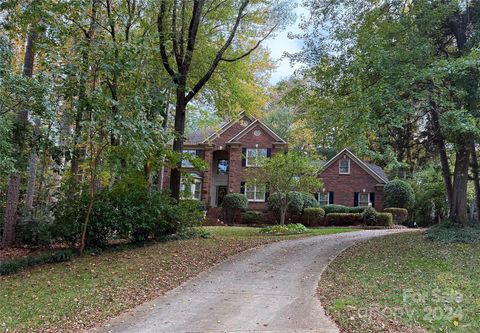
268, 289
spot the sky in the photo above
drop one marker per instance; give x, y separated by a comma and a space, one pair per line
280, 44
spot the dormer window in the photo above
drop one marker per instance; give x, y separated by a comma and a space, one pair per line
344, 166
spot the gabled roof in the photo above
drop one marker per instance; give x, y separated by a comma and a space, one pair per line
226, 126
247, 129
374, 170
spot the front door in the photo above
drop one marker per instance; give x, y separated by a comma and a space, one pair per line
221, 192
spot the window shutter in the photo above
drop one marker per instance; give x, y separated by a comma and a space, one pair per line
244, 155
355, 199
198, 152
330, 198
242, 187
372, 199
316, 196
269, 152
267, 194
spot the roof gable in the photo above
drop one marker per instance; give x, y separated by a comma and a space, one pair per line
373, 170
253, 125
241, 117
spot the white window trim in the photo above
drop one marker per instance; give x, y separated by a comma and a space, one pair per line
328, 198
255, 199
192, 189
340, 166
369, 199
187, 163
256, 156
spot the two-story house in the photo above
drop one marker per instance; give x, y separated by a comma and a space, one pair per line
237, 145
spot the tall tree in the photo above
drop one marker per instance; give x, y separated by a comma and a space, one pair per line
183, 25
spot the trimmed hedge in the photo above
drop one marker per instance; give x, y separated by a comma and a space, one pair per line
16, 265
400, 215
385, 219
335, 209
370, 216
398, 193
344, 219
251, 216
235, 201
313, 215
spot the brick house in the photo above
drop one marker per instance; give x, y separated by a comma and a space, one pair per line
349, 181
235, 146
228, 152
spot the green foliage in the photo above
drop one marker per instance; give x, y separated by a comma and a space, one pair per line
293, 228
370, 216
235, 201
398, 193
314, 212
357, 209
344, 219
295, 202
385, 219
31, 231
16, 265
430, 197
335, 209
309, 200
447, 232
127, 211
251, 216
400, 215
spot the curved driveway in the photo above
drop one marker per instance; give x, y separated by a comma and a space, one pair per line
268, 289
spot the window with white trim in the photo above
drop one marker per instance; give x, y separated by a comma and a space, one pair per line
191, 190
344, 166
185, 162
254, 155
323, 198
255, 193
363, 199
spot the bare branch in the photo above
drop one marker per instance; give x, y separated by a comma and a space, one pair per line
252, 49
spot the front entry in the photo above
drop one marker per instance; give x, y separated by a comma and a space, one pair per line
221, 192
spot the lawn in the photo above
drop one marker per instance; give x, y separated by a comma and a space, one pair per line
404, 283
76, 295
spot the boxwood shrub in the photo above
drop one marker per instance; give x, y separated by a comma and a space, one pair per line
251, 216
385, 219
313, 215
294, 207
370, 216
399, 193
232, 204
400, 215
16, 265
335, 209
344, 219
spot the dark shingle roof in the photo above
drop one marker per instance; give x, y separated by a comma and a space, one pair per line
378, 170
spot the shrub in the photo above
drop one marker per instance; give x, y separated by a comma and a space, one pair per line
15, 265
294, 207
344, 219
385, 219
370, 216
232, 204
400, 215
399, 193
358, 209
31, 231
251, 216
309, 201
335, 209
294, 228
447, 232
313, 215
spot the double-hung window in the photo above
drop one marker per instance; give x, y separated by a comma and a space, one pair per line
191, 190
323, 198
344, 166
254, 156
255, 192
363, 199
186, 163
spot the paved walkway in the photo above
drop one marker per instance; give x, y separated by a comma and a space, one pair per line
270, 289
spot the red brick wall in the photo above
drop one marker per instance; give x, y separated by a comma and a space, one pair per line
344, 186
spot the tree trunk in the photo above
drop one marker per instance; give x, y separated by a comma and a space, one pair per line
442, 152
283, 213
32, 171
175, 173
476, 178
458, 214
21, 123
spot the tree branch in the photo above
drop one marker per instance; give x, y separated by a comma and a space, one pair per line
161, 37
196, 88
252, 49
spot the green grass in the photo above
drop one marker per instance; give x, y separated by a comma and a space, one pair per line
75, 295
404, 283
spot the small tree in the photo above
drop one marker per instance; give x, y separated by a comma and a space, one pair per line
285, 173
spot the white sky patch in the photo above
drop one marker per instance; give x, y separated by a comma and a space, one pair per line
281, 44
